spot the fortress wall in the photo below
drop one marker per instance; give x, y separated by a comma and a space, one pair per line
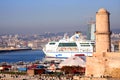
105, 65
113, 54
95, 67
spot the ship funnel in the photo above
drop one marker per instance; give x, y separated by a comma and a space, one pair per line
78, 32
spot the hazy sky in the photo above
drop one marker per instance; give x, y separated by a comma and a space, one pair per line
38, 16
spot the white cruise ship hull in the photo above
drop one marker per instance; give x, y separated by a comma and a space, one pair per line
66, 54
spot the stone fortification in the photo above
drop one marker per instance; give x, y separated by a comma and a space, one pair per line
103, 66
102, 31
103, 63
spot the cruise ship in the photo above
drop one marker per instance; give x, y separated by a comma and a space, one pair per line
67, 47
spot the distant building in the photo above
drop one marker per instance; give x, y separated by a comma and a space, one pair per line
91, 30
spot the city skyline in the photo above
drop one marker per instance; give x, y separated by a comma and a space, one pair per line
38, 16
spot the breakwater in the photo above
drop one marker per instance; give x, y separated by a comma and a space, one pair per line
14, 49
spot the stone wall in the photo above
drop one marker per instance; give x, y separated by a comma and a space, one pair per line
94, 67
93, 78
103, 65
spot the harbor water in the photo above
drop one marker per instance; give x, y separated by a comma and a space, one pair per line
25, 56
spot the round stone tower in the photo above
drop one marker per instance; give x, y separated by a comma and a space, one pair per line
103, 31
103, 63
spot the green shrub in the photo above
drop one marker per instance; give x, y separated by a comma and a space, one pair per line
19, 73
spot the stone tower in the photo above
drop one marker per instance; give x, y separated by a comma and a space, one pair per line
102, 31
103, 62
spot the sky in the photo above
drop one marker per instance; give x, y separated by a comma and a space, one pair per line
39, 16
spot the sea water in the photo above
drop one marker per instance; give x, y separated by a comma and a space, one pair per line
25, 56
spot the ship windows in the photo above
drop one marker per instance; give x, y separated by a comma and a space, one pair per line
67, 44
92, 44
52, 43
85, 45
